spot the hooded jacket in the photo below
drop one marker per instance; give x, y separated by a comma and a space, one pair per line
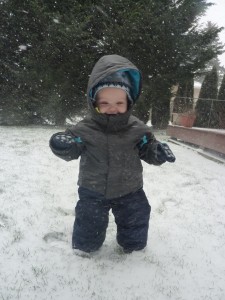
110, 147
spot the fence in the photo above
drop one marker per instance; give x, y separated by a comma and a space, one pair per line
198, 112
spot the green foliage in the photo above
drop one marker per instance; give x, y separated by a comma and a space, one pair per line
183, 101
163, 39
221, 104
221, 93
206, 108
52, 53
55, 45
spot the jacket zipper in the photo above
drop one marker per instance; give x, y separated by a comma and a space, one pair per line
107, 143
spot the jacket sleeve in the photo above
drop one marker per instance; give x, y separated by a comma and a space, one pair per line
153, 151
66, 145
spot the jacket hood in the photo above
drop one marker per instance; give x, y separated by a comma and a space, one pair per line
109, 64
104, 69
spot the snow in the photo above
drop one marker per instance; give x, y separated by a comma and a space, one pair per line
218, 130
185, 257
56, 21
22, 47
197, 84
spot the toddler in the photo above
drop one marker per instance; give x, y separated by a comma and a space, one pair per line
111, 143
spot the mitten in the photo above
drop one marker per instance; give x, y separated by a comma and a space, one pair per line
164, 153
64, 140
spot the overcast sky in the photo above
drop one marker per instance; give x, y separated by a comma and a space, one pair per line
216, 14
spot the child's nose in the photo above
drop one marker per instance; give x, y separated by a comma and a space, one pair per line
113, 110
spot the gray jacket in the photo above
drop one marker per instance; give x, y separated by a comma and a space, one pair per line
110, 147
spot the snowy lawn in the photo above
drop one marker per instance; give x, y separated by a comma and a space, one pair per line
185, 257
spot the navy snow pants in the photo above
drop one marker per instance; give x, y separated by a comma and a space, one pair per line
131, 212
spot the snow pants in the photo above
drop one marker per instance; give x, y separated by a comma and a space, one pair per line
131, 212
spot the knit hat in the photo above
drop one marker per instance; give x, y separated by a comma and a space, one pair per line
118, 85
120, 80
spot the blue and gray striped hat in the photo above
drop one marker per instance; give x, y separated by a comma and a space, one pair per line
121, 86
119, 80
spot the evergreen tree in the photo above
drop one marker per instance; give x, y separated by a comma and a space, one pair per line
183, 101
221, 104
22, 26
206, 114
55, 45
163, 38
49, 59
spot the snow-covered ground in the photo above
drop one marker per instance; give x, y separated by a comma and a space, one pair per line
185, 257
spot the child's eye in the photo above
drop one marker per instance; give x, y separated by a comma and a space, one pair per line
103, 103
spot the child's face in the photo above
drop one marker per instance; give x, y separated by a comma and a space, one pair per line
111, 101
